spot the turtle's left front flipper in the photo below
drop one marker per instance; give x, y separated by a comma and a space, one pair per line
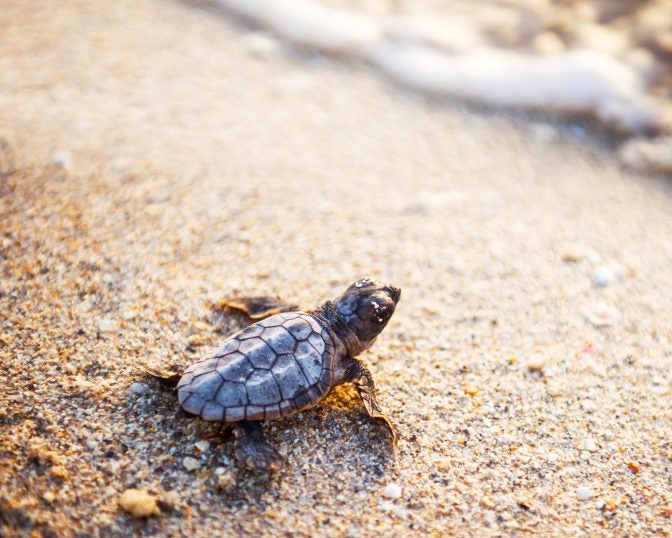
167, 378
363, 379
257, 308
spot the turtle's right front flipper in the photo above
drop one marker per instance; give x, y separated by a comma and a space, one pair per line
257, 308
360, 375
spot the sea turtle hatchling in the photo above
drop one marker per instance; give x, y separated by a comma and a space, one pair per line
285, 364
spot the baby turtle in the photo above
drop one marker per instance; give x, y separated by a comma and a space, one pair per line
285, 364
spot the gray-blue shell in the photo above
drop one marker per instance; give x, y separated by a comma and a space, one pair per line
272, 369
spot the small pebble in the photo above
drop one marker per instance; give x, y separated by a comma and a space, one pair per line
505, 440
585, 455
571, 255
471, 389
226, 480
603, 276
487, 502
127, 315
202, 326
535, 364
138, 503
610, 505
260, 44
195, 340
202, 446
601, 315
584, 493
138, 388
392, 491
590, 445
633, 466
386, 506
554, 389
106, 325
109, 279
190, 464
443, 464
589, 406
60, 471
61, 158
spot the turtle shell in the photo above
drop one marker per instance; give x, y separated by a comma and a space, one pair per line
272, 369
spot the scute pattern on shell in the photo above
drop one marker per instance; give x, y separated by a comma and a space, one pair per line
272, 369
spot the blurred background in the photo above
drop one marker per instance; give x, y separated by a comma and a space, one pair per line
606, 61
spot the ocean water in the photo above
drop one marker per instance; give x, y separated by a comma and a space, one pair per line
603, 62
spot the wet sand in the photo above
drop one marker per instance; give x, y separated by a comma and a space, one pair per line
155, 160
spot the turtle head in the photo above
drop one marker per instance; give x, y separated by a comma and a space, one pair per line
367, 306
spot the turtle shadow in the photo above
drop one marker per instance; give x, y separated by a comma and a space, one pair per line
336, 428
318, 444
335, 432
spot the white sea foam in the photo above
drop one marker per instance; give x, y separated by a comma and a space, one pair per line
453, 34
577, 81
447, 59
311, 24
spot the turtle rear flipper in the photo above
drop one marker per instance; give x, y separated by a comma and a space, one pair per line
253, 450
257, 308
167, 378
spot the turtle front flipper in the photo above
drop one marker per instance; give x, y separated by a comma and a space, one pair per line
363, 379
257, 308
253, 450
167, 378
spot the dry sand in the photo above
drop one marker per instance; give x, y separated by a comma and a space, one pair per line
153, 162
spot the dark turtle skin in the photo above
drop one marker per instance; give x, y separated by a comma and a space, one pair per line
287, 363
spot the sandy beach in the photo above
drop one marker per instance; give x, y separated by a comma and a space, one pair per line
158, 156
